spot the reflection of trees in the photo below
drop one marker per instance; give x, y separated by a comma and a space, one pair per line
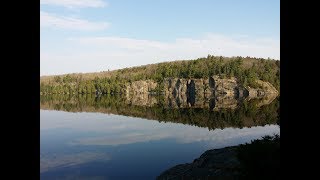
247, 113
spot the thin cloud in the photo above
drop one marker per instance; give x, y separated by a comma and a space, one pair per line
48, 20
92, 54
210, 44
75, 3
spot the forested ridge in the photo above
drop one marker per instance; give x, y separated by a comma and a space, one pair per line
245, 69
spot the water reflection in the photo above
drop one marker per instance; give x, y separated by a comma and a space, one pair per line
212, 113
68, 160
115, 138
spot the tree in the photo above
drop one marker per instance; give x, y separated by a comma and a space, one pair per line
246, 70
57, 79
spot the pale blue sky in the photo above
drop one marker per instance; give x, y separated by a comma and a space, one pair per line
96, 35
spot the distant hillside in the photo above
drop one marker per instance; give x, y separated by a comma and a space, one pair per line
246, 70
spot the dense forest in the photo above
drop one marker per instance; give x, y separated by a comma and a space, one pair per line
246, 115
246, 70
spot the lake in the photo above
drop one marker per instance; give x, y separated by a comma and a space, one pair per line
109, 137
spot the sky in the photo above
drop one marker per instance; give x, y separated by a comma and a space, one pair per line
99, 35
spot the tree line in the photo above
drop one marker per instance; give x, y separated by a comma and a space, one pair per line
246, 70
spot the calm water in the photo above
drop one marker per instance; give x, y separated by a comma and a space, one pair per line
110, 139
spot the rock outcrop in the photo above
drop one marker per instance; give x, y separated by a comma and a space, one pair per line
217, 163
258, 160
140, 87
225, 86
175, 86
264, 89
215, 92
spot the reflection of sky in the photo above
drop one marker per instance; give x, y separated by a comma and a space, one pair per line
187, 134
70, 140
46, 163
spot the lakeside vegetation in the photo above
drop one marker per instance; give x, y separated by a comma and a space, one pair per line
245, 69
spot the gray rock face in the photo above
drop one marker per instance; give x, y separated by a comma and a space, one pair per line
225, 86
208, 87
264, 89
175, 86
221, 163
198, 87
193, 92
140, 87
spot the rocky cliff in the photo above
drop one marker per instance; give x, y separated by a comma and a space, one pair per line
189, 92
140, 87
264, 89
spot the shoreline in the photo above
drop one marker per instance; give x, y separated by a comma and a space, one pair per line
258, 159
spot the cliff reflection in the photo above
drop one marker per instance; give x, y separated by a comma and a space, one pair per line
219, 112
